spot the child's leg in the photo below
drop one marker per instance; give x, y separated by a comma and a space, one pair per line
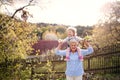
79, 54
67, 54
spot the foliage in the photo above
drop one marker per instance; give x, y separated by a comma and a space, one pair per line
45, 67
61, 32
16, 39
49, 35
81, 30
105, 77
49, 69
44, 30
107, 31
61, 29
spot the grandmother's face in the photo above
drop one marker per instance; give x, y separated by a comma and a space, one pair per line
73, 46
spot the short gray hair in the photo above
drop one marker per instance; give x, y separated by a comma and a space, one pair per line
73, 40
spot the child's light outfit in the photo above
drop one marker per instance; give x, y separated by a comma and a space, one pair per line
67, 39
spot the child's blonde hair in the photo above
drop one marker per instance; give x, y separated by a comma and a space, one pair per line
72, 29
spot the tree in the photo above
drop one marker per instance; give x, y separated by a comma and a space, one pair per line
16, 40
61, 29
25, 14
61, 32
50, 35
107, 31
29, 4
81, 30
5, 2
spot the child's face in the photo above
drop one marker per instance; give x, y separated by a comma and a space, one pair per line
70, 33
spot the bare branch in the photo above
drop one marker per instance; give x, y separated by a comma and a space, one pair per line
29, 4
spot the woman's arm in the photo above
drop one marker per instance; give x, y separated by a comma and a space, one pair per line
87, 51
58, 50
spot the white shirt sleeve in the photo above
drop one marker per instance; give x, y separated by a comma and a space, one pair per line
65, 40
79, 39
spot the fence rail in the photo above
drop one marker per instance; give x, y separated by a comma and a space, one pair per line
52, 67
100, 63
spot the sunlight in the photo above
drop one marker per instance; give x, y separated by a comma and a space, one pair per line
70, 12
67, 12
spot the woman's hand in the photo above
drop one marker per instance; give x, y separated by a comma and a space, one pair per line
60, 42
86, 44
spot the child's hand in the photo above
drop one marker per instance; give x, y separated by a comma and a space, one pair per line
60, 40
86, 44
60, 43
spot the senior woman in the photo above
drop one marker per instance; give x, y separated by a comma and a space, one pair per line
74, 67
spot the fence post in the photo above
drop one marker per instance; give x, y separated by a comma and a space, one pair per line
53, 70
32, 69
88, 64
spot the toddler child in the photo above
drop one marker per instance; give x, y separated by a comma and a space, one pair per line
72, 33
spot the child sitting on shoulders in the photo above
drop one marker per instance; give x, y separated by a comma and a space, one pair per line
72, 33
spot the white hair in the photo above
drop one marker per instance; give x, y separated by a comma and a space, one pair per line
73, 40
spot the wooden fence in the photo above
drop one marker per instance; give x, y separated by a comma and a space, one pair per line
94, 64
52, 67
